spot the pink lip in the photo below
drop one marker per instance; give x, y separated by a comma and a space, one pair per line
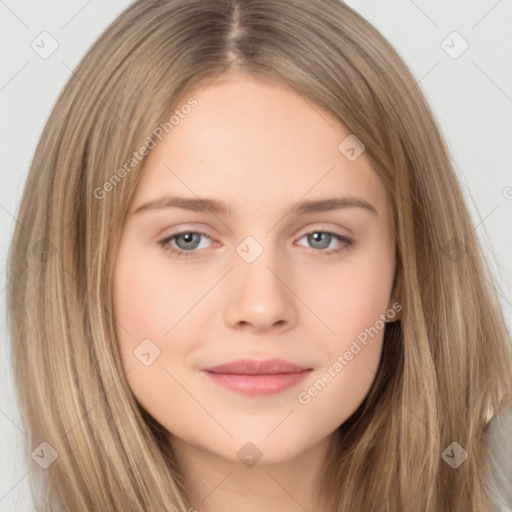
258, 378
253, 367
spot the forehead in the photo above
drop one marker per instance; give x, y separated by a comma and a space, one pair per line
248, 140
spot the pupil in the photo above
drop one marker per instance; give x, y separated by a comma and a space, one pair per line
187, 238
317, 236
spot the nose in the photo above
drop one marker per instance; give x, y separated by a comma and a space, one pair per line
259, 296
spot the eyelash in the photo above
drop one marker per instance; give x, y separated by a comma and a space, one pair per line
345, 243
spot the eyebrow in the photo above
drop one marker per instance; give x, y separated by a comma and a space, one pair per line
222, 208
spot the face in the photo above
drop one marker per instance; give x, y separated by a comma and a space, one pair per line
269, 271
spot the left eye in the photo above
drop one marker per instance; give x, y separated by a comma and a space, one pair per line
185, 244
315, 237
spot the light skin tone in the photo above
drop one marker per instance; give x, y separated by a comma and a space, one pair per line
262, 149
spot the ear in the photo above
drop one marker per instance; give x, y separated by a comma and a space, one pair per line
394, 311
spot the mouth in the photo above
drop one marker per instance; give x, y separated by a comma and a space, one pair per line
257, 378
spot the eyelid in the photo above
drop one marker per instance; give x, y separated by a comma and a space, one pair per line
305, 231
337, 230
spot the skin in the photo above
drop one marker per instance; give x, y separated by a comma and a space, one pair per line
261, 148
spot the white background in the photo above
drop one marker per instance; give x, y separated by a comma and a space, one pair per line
470, 95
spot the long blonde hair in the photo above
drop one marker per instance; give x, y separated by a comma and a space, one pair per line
446, 366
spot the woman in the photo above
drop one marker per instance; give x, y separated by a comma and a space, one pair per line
161, 388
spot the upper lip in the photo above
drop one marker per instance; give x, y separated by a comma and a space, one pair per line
254, 367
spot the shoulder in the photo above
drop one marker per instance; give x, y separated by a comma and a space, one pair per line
499, 443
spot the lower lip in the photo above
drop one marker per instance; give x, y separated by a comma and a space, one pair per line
258, 385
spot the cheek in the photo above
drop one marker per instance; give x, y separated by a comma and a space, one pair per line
349, 299
140, 306
352, 350
335, 392
151, 298
146, 307
153, 302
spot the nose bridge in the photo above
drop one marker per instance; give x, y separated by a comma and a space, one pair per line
258, 295
257, 264
251, 249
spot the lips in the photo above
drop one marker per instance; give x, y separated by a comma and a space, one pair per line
257, 378
253, 367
